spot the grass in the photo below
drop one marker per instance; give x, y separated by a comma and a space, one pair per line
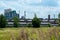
43, 33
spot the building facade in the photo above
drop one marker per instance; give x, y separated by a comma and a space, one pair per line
23, 23
9, 14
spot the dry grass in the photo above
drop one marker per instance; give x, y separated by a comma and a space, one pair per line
52, 33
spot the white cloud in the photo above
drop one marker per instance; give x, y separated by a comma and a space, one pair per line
33, 1
22, 5
58, 2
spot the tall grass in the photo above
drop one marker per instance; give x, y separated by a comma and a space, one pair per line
52, 33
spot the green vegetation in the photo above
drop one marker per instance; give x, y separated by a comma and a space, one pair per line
2, 21
49, 24
59, 19
42, 33
16, 21
33, 33
29, 25
36, 22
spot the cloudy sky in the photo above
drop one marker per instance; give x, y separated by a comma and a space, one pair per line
41, 7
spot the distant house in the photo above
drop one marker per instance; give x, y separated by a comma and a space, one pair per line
9, 14
23, 23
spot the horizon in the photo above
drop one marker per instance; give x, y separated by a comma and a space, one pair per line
42, 8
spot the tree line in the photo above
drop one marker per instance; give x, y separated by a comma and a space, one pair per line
35, 21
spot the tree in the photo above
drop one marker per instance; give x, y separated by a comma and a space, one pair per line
16, 21
59, 19
29, 25
49, 24
36, 21
2, 21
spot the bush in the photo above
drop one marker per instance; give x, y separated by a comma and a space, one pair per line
36, 21
49, 24
16, 21
2, 21
59, 19
29, 25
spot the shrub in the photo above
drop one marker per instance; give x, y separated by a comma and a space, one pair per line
36, 21
2, 21
49, 24
59, 19
29, 25
16, 21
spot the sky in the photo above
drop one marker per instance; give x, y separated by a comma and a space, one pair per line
41, 7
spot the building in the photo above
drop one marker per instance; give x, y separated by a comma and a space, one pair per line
48, 17
23, 23
9, 14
